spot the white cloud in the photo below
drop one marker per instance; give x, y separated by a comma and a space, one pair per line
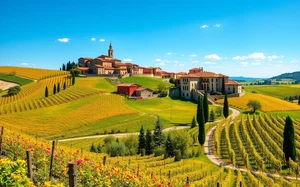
213, 57
24, 64
273, 57
280, 61
294, 61
240, 58
194, 61
209, 63
93, 39
192, 55
217, 25
256, 63
167, 61
204, 26
63, 40
158, 60
127, 60
160, 64
169, 53
244, 63
257, 56
102, 40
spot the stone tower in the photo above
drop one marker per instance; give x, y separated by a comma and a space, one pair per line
110, 51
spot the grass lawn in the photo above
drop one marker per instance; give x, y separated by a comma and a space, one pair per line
292, 114
15, 79
279, 91
99, 83
147, 82
171, 111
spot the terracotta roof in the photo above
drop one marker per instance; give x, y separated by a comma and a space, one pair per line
99, 66
204, 74
122, 68
181, 73
196, 69
87, 58
141, 89
109, 68
128, 84
231, 82
83, 68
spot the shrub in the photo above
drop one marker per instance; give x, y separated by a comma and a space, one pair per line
163, 93
108, 140
116, 149
177, 154
159, 151
75, 71
14, 90
131, 142
215, 93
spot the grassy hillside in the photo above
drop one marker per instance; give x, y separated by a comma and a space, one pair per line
15, 79
147, 82
279, 91
269, 104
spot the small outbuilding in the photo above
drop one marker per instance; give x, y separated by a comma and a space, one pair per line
144, 93
128, 88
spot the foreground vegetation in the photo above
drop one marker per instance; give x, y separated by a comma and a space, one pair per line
15, 79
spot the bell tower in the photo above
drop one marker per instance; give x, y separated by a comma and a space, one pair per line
110, 51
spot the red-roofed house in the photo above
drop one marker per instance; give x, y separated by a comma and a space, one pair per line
134, 90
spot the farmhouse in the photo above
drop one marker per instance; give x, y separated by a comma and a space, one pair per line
134, 90
200, 80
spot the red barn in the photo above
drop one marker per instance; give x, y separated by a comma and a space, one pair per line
127, 88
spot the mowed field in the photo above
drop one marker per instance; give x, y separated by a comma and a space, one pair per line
15, 79
147, 82
279, 91
269, 104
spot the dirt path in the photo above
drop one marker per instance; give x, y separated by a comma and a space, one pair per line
6, 85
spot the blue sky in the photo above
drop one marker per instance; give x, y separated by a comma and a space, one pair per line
258, 38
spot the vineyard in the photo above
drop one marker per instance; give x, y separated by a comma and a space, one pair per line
255, 144
269, 104
102, 170
32, 73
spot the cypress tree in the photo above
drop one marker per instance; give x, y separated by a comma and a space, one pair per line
93, 148
117, 140
46, 92
64, 67
299, 100
289, 147
193, 122
73, 78
225, 107
201, 123
149, 143
169, 149
65, 86
158, 136
205, 106
99, 148
54, 89
142, 140
58, 87
223, 85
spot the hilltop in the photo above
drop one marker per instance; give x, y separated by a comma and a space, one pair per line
294, 76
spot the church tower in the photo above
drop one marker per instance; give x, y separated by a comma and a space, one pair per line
110, 51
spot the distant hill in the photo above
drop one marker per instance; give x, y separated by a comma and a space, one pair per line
295, 76
245, 79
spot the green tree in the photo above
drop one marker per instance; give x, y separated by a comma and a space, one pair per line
254, 104
289, 147
212, 116
205, 106
116, 149
172, 80
64, 67
158, 136
201, 122
169, 148
223, 85
65, 86
54, 89
99, 148
73, 78
93, 148
299, 100
149, 143
142, 140
14, 90
181, 141
193, 122
46, 92
131, 142
58, 87
76, 72
226, 107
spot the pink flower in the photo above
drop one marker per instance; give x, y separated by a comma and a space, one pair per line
79, 161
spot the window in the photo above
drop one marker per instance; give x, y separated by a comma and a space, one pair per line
228, 88
187, 94
182, 94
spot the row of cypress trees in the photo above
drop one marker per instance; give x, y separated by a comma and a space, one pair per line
57, 89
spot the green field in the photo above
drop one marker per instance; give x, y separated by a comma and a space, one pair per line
15, 79
292, 114
279, 91
147, 82
171, 111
